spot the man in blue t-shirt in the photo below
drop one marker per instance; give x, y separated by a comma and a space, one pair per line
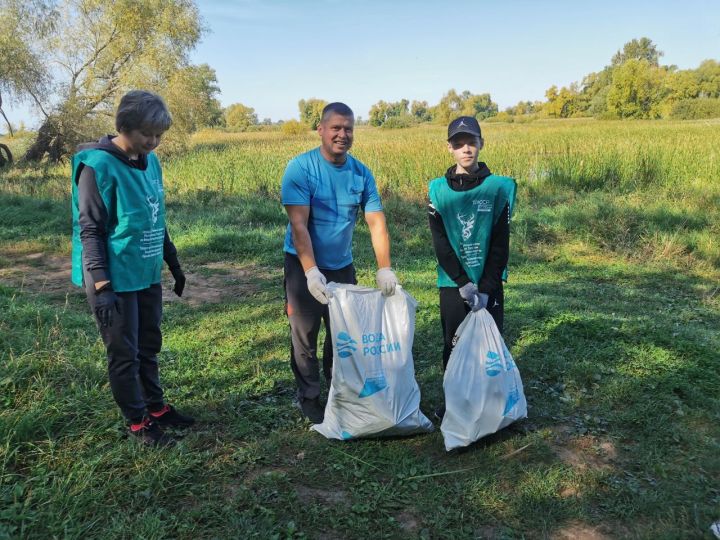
322, 191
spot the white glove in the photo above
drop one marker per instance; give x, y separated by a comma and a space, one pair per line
316, 284
470, 294
386, 281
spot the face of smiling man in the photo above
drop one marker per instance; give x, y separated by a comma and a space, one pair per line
336, 136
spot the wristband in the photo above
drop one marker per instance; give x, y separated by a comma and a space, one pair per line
106, 287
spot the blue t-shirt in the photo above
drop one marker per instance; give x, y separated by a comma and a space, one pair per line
334, 194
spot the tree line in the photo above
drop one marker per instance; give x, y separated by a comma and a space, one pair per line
72, 60
636, 85
633, 85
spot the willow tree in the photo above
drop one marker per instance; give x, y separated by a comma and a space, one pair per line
96, 50
22, 73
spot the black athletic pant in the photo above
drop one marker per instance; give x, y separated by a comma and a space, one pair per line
132, 344
305, 314
453, 311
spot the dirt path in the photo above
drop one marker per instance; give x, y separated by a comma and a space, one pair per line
206, 284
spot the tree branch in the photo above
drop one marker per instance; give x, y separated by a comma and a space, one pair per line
6, 119
94, 57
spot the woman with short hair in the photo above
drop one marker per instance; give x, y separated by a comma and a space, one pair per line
118, 247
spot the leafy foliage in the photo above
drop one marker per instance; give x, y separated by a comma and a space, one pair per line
638, 49
696, 109
466, 103
293, 127
22, 73
637, 90
311, 111
104, 49
382, 111
240, 117
633, 85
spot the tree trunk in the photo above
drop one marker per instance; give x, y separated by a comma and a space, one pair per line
6, 119
49, 141
9, 125
5, 155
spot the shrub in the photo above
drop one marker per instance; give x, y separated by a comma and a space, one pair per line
293, 127
398, 122
501, 117
696, 109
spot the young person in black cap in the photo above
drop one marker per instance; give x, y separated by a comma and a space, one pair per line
119, 244
469, 213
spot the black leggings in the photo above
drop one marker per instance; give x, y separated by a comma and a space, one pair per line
132, 344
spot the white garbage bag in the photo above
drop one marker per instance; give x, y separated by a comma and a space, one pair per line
373, 390
483, 389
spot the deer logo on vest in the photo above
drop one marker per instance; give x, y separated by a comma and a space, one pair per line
154, 206
468, 222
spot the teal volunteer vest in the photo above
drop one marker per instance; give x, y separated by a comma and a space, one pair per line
135, 201
469, 217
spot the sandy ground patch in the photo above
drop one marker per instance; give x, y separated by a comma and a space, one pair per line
206, 284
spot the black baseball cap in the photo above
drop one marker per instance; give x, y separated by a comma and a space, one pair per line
464, 124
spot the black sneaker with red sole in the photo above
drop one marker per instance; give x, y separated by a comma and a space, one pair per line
169, 417
150, 434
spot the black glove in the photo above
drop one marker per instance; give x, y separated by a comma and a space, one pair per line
106, 302
179, 277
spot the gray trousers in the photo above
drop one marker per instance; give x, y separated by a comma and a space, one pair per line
305, 315
132, 344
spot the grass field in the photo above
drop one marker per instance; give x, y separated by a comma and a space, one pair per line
613, 317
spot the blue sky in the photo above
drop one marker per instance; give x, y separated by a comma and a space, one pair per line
270, 54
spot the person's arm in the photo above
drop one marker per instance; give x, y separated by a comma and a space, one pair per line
316, 281
379, 237
446, 256
385, 278
375, 218
170, 252
295, 195
298, 216
93, 219
171, 259
498, 254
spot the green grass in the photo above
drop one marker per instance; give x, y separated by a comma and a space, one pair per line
613, 310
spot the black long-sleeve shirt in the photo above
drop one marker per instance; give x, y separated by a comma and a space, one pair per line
499, 250
95, 220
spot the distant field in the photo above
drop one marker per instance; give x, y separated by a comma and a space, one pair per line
613, 311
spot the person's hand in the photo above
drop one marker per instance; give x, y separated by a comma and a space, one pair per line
317, 285
470, 294
179, 277
106, 303
483, 301
386, 280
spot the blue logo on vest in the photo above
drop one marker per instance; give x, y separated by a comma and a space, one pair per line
345, 345
493, 366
